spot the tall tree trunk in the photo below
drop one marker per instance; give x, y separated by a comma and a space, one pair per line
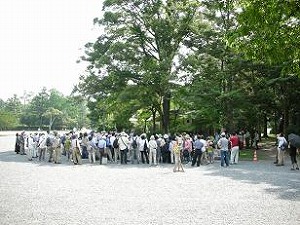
166, 112
154, 121
265, 128
285, 121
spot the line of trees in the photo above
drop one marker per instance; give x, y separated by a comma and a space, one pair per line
195, 65
46, 110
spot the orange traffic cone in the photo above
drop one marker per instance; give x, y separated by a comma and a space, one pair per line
254, 156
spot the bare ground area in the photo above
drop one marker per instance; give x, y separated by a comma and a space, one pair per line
33, 192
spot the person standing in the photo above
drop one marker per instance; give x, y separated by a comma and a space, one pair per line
188, 148
177, 149
84, 144
164, 146
210, 151
234, 156
117, 154
223, 144
203, 155
91, 150
152, 151
134, 149
56, 148
282, 143
42, 147
31, 146
17, 144
143, 146
67, 146
102, 147
108, 151
76, 154
293, 154
247, 139
171, 145
22, 143
256, 140
124, 146
198, 145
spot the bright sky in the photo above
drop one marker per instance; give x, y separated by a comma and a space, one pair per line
40, 42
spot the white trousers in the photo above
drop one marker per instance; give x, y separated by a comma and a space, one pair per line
152, 156
234, 157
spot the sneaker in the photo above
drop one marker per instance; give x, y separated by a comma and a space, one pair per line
297, 168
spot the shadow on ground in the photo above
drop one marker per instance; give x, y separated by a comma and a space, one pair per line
280, 180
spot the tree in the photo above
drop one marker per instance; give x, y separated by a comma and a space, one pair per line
7, 120
141, 44
269, 32
52, 114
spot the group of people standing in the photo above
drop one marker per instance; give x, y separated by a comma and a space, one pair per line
123, 148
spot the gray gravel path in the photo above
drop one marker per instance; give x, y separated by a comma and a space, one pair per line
45, 193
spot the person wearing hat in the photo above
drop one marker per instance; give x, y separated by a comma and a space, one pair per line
143, 146
198, 151
223, 144
17, 144
152, 151
31, 146
22, 143
76, 153
102, 147
124, 147
41, 146
56, 148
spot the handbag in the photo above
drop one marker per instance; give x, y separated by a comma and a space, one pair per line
104, 160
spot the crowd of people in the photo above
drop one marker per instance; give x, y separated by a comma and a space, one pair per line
122, 148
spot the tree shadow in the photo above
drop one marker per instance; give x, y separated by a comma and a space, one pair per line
280, 181
11, 156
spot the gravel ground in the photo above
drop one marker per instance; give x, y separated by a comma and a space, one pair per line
46, 193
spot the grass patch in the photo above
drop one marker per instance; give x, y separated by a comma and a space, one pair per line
248, 155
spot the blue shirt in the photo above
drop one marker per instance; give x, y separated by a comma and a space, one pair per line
198, 144
102, 143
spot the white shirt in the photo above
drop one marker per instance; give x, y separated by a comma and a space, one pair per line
204, 145
42, 141
123, 143
152, 145
281, 141
141, 143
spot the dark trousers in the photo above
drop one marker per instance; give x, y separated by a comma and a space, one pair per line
197, 157
144, 154
123, 156
101, 155
166, 157
293, 158
84, 152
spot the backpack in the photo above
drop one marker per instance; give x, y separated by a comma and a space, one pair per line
48, 142
284, 146
145, 146
115, 143
229, 145
134, 143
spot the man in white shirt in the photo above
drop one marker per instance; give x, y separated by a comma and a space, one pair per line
123, 146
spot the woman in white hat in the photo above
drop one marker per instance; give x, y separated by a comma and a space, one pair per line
152, 150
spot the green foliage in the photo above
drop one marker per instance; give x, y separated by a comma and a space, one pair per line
231, 64
269, 32
45, 110
7, 120
137, 53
